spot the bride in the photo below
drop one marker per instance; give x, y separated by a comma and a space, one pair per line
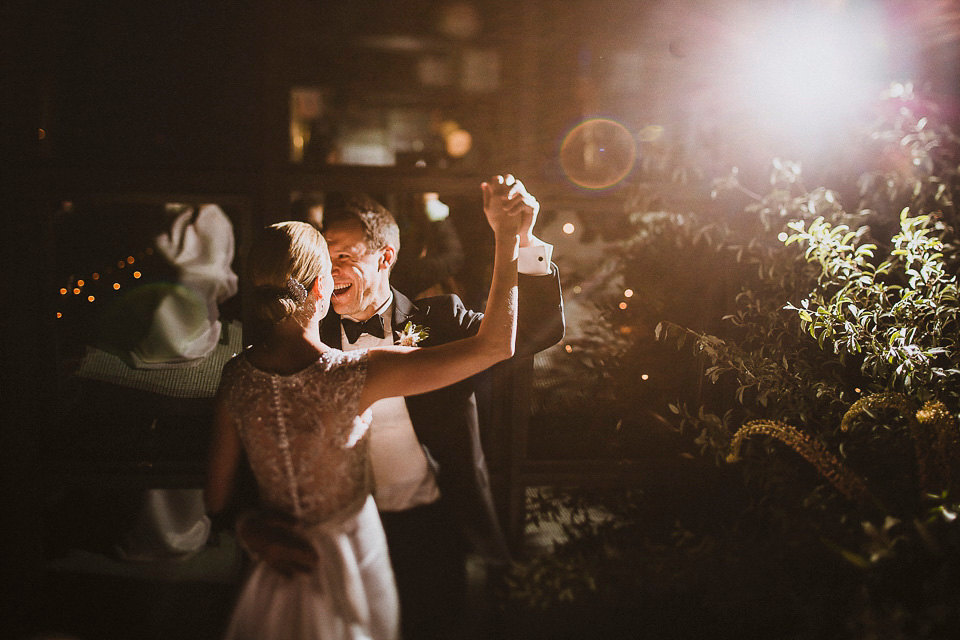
293, 405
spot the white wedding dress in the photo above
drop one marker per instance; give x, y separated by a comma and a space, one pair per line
309, 453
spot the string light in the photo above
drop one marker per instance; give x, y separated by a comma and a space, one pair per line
568, 349
577, 289
76, 288
628, 293
59, 315
569, 228
645, 377
622, 305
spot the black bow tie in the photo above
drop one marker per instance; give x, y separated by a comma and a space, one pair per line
372, 325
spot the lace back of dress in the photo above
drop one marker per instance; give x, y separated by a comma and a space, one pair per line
299, 433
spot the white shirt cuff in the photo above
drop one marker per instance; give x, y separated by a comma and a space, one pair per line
534, 260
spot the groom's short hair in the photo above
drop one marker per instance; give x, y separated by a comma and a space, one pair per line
379, 227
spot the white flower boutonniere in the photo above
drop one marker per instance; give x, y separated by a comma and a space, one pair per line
411, 335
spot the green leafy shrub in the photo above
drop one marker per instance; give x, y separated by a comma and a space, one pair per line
826, 331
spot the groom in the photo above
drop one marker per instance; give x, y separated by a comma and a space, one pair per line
432, 484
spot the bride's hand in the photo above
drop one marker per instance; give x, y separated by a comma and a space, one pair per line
503, 206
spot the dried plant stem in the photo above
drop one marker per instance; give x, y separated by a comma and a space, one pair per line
843, 479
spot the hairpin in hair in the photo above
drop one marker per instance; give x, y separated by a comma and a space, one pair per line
296, 291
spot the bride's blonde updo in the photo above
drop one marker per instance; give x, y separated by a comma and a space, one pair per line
281, 267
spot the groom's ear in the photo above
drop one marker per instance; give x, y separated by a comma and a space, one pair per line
388, 257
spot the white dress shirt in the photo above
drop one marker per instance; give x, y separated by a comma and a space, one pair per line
402, 476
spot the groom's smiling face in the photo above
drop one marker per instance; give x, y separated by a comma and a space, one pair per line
361, 276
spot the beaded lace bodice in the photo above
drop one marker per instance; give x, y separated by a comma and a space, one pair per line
306, 446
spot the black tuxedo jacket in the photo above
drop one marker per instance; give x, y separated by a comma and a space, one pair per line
446, 420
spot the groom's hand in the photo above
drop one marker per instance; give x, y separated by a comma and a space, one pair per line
277, 540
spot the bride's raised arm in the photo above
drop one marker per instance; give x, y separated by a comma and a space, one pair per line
400, 371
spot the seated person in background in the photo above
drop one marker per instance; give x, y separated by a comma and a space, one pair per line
308, 207
432, 255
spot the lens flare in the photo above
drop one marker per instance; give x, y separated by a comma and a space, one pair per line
598, 154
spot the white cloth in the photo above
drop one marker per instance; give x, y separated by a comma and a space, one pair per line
351, 596
186, 326
402, 477
171, 524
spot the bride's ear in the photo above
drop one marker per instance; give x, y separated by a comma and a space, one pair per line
315, 289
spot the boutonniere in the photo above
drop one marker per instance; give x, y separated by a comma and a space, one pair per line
411, 335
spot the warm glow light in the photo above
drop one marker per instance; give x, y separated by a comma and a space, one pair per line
90, 298
650, 133
76, 291
645, 377
857, 390
782, 236
95, 276
80, 283
130, 260
807, 68
59, 315
458, 143
136, 274
63, 292
568, 349
569, 228
628, 293
116, 285
41, 134
622, 305
577, 289
121, 264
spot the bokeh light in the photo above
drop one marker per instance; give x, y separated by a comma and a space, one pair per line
598, 154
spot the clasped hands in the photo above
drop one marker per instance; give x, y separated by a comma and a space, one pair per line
510, 208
